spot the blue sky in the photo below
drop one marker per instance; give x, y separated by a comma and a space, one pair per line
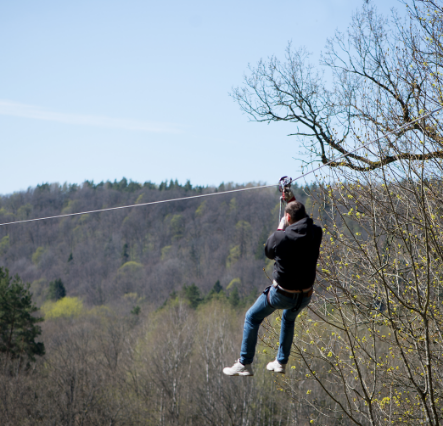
100, 89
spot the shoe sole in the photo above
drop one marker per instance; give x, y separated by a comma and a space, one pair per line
238, 374
279, 372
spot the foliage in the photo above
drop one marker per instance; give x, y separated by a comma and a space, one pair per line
18, 324
216, 289
130, 266
193, 295
4, 244
174, 243
234, 256
56, 290
234, 297
136, 310
374, 328
368, 349
36, 256
66, 307
234, 283
163, 369
200, 209
125, 253
177, 225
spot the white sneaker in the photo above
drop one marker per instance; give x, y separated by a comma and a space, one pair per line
238, 369
276, 367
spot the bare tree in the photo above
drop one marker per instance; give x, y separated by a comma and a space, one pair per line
370, 347
383, 75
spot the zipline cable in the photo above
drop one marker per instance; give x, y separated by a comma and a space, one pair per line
140, 204
370, 143
224, 192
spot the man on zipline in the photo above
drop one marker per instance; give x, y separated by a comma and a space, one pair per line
295, 247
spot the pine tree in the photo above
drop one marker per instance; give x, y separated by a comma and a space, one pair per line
125, 253
136, 310
217, 289
18, 325
234, 297
192, 293
57, 290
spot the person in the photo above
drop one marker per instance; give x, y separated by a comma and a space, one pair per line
295, 247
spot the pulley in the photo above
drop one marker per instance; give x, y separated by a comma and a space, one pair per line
284, 182
284, 186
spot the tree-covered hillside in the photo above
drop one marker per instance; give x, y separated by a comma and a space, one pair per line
148, 250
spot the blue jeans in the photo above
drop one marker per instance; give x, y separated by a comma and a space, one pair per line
259, 311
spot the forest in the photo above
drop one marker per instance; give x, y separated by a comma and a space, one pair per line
149, 251
128, 317
143, 307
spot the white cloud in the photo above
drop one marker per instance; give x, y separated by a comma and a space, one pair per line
38, 113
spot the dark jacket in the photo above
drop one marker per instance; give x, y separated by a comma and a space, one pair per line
295, 251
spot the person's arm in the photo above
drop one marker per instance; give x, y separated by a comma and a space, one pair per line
269, 247
283, 224
274, 239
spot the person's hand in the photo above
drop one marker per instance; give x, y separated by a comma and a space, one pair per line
288, 195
